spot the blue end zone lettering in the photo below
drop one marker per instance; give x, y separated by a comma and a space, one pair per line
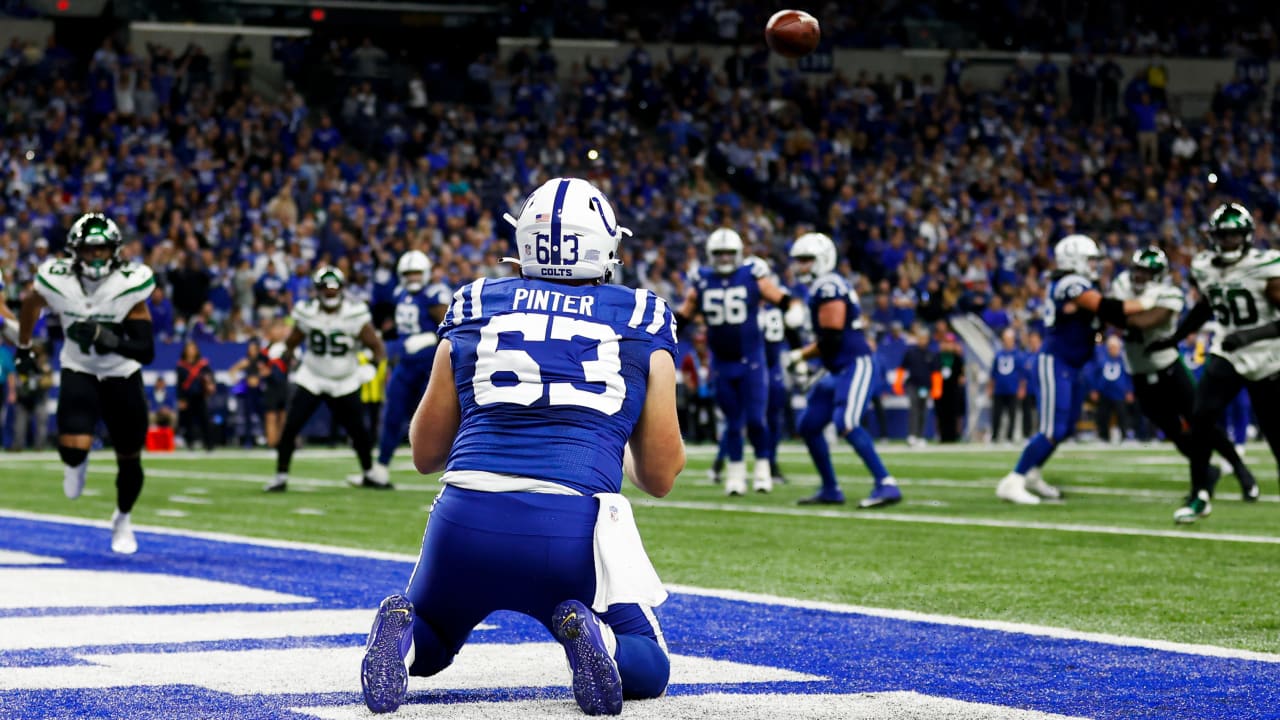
202, 627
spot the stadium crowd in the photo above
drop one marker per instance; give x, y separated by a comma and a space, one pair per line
943, 199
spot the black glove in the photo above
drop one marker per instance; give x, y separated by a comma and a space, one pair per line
24, 361
83, 333
107, 341
1237, 340
1165, 344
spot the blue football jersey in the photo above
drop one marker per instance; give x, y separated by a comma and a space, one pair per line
775, 334
1069, 337
413, 316
833, 288
552, 378
730, 305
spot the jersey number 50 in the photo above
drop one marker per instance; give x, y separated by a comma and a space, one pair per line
529, 386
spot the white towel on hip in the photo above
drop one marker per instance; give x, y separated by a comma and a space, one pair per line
623, 571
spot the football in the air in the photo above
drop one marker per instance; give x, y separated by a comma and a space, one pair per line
792, 33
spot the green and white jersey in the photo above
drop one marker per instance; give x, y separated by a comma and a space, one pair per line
1238, 295
108, 301
1154, 295
332, 341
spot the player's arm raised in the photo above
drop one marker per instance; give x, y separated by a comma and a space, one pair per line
685, 313
435, 422
1240, 338
793, 314
655, 452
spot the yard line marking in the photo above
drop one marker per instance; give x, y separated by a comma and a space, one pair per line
734, 595
947, 520
999, 625
302, 483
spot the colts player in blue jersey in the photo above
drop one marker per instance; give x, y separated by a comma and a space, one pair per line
841, 395
774, 329
547, 389
728, 296
1073, 310
419, 310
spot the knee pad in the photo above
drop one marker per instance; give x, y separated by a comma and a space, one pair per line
72, 457
130, 468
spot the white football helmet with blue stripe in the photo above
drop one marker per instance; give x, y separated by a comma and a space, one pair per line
816, 247
1077, 254
566, 231
414, 261
724, 250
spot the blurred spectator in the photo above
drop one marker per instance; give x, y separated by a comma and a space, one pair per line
950, 404
1112, 392
195, 386
8, 392
1007, 385
1031, 372
162, 404
699, 393
255, 371
31, 409
918, 364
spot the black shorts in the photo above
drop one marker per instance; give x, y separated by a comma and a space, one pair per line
275, 394
121, 403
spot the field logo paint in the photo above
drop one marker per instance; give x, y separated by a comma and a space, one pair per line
219, 629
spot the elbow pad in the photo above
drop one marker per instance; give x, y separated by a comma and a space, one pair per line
420, 341
829, 342
137, 341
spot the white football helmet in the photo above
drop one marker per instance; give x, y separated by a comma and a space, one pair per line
724, 240
566, 231
1077, 254
821, 249
414, 261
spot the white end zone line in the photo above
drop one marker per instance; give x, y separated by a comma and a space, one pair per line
736, 595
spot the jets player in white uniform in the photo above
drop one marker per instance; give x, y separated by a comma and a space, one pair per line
331, 325
1239, 287
100, 300
1163, 385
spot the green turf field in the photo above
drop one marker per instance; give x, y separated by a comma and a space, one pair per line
1109, 559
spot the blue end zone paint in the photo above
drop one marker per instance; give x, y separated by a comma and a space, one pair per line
858, 653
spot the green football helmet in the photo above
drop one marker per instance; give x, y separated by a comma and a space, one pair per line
1230, 232
95, 242
1148, 265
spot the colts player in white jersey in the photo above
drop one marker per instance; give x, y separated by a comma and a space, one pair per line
100, 300
1163, 385
331, 325
539, 383
1239, 286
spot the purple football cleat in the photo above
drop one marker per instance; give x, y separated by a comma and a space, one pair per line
384, 677
597, 686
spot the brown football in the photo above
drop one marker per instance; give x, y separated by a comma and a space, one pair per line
792, 33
